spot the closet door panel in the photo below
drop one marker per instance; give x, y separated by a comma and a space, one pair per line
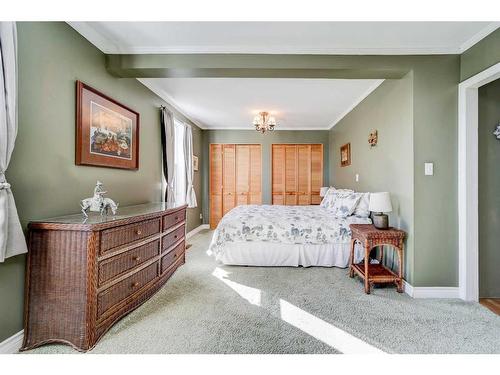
278, 177
215, 184
255, 193
229, 179
316, 172
290, 175
242, 174
303, 174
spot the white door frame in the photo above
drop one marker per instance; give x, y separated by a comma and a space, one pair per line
468, 181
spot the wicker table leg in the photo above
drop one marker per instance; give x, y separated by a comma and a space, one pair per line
401, 265
367, 268
351, 258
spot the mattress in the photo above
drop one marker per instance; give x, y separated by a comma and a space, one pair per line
284, 236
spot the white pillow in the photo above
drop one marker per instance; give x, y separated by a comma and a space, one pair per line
326, 201
344, 204
331, 195
362, 208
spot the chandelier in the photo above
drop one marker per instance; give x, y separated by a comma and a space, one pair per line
264, 122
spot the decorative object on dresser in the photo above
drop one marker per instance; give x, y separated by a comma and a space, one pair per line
345, 155
373, 138
496, 133
83, 275
107, 132
98, 203
380, 203
370, 237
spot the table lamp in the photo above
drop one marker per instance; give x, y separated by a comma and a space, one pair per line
379, 204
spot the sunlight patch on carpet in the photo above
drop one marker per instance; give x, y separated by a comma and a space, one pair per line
252, 295
323, 331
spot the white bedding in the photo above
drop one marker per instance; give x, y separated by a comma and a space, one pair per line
276, 235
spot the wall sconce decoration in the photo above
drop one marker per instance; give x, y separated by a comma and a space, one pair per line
496, 133
373, 138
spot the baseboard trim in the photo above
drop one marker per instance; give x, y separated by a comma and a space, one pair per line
431, 292
196, 230
12, 344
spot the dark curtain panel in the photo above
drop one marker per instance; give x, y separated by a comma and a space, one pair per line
164, 146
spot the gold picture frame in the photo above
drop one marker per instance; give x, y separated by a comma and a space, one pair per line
345, 155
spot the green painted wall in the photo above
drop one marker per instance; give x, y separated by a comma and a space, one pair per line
435, 85
480, 56
42, 173
388, 166
266, 140
489, 188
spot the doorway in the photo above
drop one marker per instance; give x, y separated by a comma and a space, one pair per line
489, 199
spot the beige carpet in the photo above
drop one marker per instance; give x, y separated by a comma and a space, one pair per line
208, 308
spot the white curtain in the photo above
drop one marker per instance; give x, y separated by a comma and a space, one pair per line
188, 156
12, 241
169, 153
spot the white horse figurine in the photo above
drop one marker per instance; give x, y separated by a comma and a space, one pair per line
104, 207
98, 203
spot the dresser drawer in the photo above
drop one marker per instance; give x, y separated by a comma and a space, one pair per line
172, 219
171, 257
173, 237
119, 264
111, 238
125, 288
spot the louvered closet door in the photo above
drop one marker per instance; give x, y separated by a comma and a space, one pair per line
316, 172
229, 179
303, 175
278, 174
255, 193
242, 174
297, 173
290, 175
215, 184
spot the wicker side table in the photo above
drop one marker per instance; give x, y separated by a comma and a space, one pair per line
369, 237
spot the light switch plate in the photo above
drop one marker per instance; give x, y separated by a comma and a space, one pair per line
429, 169
357, 177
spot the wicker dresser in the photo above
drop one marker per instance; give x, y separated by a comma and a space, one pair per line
84, 275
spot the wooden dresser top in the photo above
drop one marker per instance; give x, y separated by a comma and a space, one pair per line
95, 221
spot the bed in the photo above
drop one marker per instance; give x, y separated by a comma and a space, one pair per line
273, 235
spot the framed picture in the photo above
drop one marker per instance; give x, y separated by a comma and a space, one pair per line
195, 163
345, 155
107, 132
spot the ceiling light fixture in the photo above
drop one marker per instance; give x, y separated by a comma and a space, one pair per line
264, 122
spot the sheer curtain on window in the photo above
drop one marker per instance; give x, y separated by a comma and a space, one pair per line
180, 186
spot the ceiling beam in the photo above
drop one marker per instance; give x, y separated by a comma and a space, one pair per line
258, 66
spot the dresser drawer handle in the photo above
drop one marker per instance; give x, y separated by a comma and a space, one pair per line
175, 255
135, 284
176, 218
138, 232
136, 259
175, 236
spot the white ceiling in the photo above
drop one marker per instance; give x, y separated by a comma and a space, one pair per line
231, 103
285, 37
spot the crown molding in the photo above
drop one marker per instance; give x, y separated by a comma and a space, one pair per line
479, 36
109, 47
170, 100
357, 101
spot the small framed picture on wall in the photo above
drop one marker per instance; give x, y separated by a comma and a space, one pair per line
345, 155
107, 132
195, 163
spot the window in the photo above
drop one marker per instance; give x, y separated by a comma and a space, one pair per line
179, 163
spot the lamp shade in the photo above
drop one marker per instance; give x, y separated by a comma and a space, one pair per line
380, 202
323, 190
